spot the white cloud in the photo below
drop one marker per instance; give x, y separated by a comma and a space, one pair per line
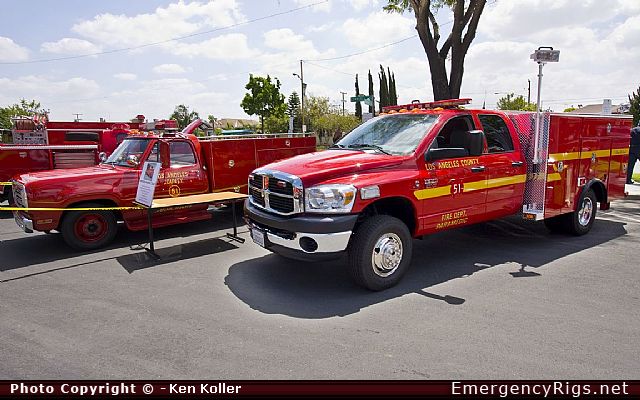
380, 24
320, 5
176, 19
169, 69
360, 5
233, 46
10, 51
321, 28
627, 35
70, 46
286, 39
126, 76
46, 90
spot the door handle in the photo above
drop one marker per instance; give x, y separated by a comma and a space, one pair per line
479, 168
517, 164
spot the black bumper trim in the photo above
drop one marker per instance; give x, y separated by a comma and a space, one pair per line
306, 224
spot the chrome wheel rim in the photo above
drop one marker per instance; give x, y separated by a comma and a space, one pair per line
387, 255
586, 210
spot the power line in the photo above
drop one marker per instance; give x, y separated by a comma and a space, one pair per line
165, 41
365, 51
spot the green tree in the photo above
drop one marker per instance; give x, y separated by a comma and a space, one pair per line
384, 88
634, 102
511, 102
358, 105
393, 95
183, 116
569, 109
264, 99
466, 14
293, 110
371, 107
315, 107
22, 109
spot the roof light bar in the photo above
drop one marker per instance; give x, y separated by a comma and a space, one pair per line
426, 106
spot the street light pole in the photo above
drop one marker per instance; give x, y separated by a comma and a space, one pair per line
302, 86
343, 101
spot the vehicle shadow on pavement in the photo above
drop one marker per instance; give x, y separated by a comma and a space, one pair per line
179, 252
5, 214
276, 285
32, 249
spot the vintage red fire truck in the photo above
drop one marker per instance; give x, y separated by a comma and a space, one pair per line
189, 166
423, 168
36, 144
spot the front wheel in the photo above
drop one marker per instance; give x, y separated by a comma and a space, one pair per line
89, 230
380, 252
580, 221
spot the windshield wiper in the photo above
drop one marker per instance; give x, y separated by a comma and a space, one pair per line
337, 146
364, 146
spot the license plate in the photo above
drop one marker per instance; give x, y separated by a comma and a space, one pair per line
258, 237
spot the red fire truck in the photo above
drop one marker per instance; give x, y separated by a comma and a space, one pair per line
423, 168
189, 166
36, 144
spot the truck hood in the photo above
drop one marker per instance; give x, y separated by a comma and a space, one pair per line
73, 174
316, 167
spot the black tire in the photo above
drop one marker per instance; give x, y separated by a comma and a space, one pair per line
88, 230
377, 230
557, 224
7, 195
580, 221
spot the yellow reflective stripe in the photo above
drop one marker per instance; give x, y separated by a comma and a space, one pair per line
432, 192
478, 185
599, 153
6, 183
507, 180
554, 177
588, 154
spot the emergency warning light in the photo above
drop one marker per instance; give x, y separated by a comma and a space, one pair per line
545, 55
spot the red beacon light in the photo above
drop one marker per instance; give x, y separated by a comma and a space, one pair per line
416, 105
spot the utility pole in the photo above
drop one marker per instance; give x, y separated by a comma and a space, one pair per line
343, 101
529, 92
302, 87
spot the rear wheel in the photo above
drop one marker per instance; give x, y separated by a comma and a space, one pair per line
89, 230
380, 252
580, 221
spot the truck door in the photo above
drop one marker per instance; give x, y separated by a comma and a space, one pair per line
184, 176
452, 190
505, 168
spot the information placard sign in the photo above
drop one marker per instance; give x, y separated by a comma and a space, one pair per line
147, 183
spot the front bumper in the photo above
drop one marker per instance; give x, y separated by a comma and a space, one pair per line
305, 237
23, 222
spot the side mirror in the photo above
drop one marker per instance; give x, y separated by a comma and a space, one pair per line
165, 154
133, 160
475, 142
447, 152
102, 156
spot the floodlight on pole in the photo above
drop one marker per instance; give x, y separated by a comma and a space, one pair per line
543, 55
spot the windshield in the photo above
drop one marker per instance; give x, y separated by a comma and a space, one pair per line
394, 134
128, 147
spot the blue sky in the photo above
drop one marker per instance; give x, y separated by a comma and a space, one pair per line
600, 52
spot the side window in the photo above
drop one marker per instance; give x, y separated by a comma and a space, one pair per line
497, 133
181, 153
450, 135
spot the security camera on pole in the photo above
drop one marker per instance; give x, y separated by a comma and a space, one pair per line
542, 56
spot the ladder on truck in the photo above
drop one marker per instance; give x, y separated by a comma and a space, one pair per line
536, 151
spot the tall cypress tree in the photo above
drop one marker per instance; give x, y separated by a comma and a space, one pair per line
371, 107
392, 89
384, 88
358, 105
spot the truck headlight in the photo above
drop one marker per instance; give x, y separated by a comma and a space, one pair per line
330, 198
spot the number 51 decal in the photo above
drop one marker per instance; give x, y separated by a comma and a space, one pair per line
456, 188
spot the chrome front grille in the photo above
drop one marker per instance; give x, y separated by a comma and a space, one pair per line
276, 191
20, 195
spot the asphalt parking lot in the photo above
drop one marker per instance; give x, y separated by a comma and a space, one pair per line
500, 300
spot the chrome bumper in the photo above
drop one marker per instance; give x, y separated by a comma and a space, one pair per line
23, 222
327, 242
